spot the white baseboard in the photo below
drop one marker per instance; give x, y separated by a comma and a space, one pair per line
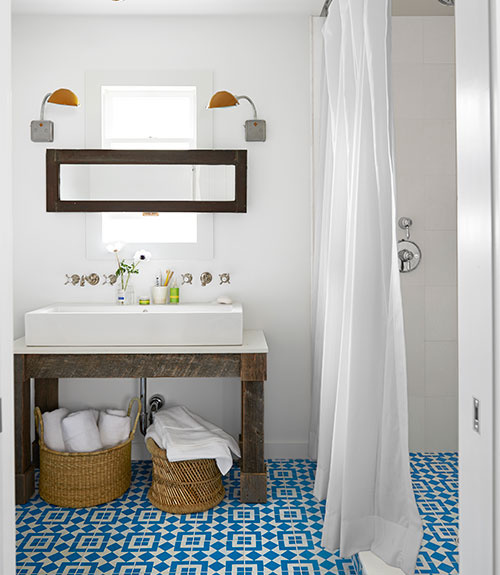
285, 450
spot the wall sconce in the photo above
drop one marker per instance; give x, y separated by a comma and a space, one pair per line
255, 130
43, 130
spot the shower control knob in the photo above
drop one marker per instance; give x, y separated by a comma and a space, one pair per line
405, 255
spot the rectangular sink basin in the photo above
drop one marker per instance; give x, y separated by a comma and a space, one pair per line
135, 325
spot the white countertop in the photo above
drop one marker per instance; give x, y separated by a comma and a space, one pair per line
254, 341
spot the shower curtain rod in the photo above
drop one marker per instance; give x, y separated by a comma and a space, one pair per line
326, 5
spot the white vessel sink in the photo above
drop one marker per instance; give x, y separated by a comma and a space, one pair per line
135, 325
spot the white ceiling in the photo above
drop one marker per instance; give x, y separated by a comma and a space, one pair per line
208, 7
173, 7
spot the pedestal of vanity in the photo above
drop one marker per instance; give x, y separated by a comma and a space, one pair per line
46, 365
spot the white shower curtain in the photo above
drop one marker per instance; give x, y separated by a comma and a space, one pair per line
359, 380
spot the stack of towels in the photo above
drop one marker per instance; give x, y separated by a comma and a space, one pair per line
187, 436
86, 430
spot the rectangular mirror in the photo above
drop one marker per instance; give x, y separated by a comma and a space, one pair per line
146, 180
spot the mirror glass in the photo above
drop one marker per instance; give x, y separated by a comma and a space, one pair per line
108, 182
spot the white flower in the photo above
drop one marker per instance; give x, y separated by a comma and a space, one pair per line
115, 247
142, 256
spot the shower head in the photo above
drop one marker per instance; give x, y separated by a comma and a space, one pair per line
447, 2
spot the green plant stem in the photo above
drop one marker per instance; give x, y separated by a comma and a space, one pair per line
119, 267
131, 271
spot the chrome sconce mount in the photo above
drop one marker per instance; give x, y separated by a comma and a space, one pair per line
42, 130
255, 129
409, 253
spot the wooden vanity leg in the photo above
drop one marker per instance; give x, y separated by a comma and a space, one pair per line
253, 484
25, 472
47, 399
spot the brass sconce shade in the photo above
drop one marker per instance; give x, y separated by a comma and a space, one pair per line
255, 130
64, 97
222, 100
43, 130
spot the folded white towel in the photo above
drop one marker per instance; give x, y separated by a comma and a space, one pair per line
80, 432
114, 429
52, 431
187, 436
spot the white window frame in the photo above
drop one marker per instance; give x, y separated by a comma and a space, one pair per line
203, 80
140, 143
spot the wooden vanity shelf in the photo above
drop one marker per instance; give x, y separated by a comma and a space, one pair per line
46, 365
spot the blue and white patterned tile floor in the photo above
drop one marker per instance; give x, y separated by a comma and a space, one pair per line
435, 483
130, 537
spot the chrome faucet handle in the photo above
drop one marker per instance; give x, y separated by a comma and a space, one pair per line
205, 278
73, 279
187, 279
405, 224
225, 278
111, 279
93, 279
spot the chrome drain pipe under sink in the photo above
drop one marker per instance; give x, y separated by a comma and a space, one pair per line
148, 409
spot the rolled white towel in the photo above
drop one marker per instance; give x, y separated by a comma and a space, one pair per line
80, 432
114, 429
120, 412
52, 431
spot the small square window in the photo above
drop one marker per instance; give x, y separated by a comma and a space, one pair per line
145, 117
150, 110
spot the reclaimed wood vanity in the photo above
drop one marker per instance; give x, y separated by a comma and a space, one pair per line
46, 365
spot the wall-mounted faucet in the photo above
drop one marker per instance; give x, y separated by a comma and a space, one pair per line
225, 278
93, 279
205, 278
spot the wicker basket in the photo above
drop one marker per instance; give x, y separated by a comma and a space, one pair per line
85, 479
184, 486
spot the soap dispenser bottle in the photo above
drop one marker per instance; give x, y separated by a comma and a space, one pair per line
174, 293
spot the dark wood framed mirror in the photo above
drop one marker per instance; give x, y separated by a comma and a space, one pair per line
146, 180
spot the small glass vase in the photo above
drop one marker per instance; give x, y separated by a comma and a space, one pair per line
125, 296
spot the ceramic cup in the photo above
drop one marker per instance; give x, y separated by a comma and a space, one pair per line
159, 294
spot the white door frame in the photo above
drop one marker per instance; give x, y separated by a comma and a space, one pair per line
7, 498
478, 67
478, 295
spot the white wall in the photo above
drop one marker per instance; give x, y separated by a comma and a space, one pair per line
7, 510
424, 108
267, 250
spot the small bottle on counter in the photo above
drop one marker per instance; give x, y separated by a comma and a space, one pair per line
174, 293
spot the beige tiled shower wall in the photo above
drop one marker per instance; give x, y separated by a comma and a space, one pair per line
424, 116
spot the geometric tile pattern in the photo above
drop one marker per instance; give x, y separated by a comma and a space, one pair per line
130, 537
435, 483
